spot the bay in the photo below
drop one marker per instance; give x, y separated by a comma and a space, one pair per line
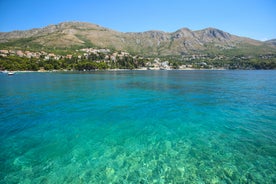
138, 127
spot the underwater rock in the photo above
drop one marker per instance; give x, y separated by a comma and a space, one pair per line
168, 145
109, 171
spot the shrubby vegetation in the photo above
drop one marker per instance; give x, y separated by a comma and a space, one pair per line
127, 62
14, 63
102, 61
256, 62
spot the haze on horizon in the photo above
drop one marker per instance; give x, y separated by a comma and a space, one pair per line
250, 18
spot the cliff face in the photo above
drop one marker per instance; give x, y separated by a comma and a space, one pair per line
182, 41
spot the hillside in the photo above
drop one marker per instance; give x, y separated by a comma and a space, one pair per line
71, 35
272, 42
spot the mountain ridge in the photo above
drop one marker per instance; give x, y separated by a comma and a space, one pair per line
153, 42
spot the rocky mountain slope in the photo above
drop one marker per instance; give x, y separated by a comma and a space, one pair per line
183, 41
272, 42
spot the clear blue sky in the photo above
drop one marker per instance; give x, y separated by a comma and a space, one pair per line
251, 18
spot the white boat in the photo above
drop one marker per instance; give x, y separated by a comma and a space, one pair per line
11, 73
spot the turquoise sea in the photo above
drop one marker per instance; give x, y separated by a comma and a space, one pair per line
138, 127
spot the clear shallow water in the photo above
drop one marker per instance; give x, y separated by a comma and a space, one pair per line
138, 127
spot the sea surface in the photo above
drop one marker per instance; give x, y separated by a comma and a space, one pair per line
138, 127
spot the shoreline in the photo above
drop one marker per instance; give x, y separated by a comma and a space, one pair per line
114, 70
137, 69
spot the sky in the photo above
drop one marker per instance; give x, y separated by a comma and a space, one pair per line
250, 18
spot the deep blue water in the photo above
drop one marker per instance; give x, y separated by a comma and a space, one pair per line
138, 127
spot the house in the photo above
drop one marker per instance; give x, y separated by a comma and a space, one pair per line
69, 56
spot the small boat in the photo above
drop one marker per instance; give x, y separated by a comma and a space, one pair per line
11, 73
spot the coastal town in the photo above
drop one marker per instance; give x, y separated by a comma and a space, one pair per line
98, 56
87, 59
